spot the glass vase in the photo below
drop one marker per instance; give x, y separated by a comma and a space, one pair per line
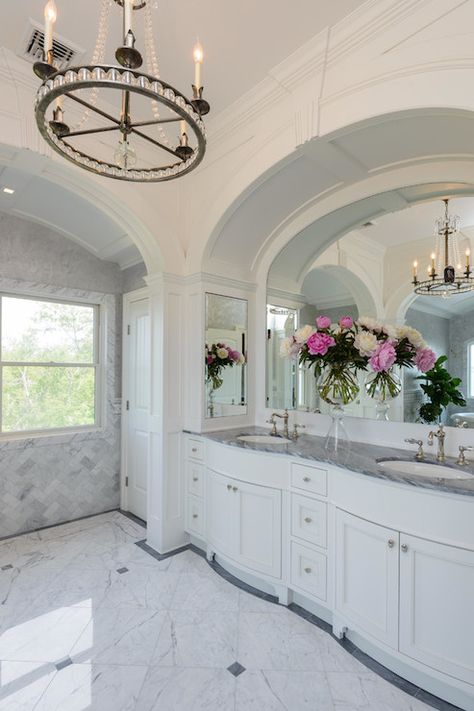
338, 386
383, 387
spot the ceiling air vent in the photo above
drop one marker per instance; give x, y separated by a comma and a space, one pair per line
65, 53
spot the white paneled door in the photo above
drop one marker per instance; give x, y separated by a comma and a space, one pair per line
367, 576
137, 405
436, 598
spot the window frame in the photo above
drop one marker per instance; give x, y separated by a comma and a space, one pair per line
97, 365
470, 374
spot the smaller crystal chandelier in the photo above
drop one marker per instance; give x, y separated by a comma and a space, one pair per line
134, 126
444, 279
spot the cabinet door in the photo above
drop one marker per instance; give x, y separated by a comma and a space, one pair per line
436, 599
258, 529
367, 576
221, 508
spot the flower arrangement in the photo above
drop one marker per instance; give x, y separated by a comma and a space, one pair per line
217, 357
336, 351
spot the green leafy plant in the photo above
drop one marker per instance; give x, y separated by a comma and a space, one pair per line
441, 389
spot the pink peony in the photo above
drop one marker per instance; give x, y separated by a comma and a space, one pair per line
346, 322
234, 355
425, 359
383, 357
320, 343
323, 322
210, 359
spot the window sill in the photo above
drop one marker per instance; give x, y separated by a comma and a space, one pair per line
50, 437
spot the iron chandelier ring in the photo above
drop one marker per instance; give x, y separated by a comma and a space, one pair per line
67, 82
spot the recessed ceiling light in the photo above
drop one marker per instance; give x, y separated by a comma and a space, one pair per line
8, 191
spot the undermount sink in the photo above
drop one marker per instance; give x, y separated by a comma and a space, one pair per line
428, 469
263, 439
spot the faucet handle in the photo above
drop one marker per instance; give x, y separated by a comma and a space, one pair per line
420, 453
295, 434
461, 460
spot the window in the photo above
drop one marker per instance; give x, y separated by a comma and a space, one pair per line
470, 369
49, 364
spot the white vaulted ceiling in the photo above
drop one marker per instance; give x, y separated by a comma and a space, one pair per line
38, 199
242, 40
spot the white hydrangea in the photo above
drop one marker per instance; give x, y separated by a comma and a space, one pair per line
222, 353
366, 343
414, 336
389, 330
371, 324
335, 329
303, 333
286, 347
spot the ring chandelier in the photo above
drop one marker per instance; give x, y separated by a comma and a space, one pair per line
443, 278
148, 106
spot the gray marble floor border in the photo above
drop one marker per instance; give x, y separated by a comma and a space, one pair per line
132, 517
350, 647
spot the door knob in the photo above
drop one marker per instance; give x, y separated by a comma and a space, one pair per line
308, 519
404, 547
229, 487
195, 478
307, 570
391, 542
306, 479
234, 488
195, 515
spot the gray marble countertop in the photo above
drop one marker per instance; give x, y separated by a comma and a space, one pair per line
363, 458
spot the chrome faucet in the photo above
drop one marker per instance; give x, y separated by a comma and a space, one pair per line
272, 421
440, 434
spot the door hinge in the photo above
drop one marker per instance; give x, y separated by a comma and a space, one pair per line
128, 330
128, 405
126, 481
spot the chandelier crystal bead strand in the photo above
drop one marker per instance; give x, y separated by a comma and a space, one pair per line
444, 279
132, 121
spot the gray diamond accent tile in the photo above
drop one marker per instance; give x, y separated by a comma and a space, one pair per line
66, 662
122, 570
236, 669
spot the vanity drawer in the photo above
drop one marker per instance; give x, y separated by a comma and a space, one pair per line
195, 478
311, 479
309, 520
309, 570
195, 515
195, 449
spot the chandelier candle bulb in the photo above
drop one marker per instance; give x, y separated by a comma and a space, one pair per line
50, 16
198, 55
182, 130
127, 17
415, 268
468, 254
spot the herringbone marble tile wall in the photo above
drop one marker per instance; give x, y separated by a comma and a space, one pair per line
48, 480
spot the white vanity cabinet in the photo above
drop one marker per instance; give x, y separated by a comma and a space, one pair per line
244, 523
436, 606
412, 594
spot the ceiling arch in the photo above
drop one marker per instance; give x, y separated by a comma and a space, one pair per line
323, 167
49, 193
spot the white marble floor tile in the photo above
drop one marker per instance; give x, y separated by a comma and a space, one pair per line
197, 638
23, 683
93, 687
336, 659
141, 587
385, 697
252, 603
44, 637
279, 641
283, 691
187, 690
346, 688
119, 636
190, 562
204, 592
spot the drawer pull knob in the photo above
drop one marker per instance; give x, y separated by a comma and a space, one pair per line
194, 449
308, 519
306, 478
404, 547
307, 570
391, 542
235, 488
229, 487
195, 478
195, 515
